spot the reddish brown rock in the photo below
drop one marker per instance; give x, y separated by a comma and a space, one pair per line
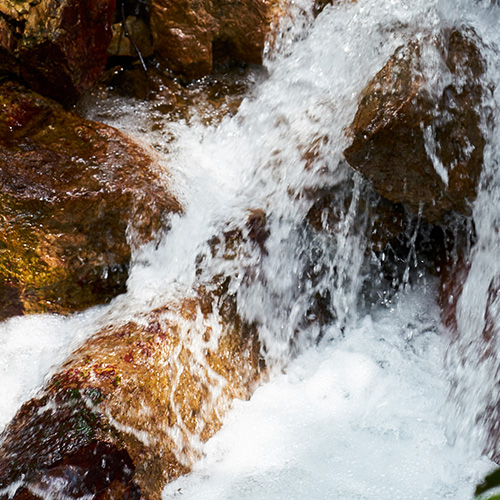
130, 409
58, 47
420, 149
453, 277
75, 197
189, 34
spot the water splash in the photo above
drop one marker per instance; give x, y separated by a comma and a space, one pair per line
282, 148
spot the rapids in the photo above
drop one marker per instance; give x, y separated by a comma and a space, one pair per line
362, 406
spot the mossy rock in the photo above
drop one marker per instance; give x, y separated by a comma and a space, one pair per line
141, 398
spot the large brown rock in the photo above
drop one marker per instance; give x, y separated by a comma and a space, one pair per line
420, 148
76, 196
189, 34
131, 408
59, 47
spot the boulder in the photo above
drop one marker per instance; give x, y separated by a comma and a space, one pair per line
76, 197
418, 144
131, 408
188, 35
58, 47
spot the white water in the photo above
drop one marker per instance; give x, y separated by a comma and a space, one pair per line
358, 419
364, 413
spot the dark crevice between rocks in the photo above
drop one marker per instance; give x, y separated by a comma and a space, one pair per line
402, 249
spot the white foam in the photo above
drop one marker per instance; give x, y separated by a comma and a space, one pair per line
359, 416
355, 419
31, 348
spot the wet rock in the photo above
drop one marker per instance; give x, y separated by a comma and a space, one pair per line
189, 35
488, 354
76, 197
420, 145
59, 48
319, 5
474, 348
399, 247
131, 39
453, 278
131, 408
382, 228
207, 100
386, 220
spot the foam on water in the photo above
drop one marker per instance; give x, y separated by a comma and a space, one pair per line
359, 414
358, 419
30, 350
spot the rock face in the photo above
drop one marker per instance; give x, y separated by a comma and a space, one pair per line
130, 409
75, 196
58, 47
189, 34
418, 145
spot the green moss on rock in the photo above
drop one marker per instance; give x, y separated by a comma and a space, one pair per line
71, 193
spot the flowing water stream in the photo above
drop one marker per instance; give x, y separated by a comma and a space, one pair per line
359, 406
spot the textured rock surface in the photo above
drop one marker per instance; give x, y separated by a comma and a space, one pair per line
131, 408
189, 34
75, 196
58, 47
419, 145
130, 38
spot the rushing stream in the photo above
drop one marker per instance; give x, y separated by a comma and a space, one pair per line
359, 406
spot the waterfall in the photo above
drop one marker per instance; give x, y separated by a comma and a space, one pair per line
369, 397
473, 356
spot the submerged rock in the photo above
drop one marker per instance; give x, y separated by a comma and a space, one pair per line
453, 278
320, 5
76, 196
419, 145
131, 408
58, 47
189, 35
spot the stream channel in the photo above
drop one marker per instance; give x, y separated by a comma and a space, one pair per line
360, 407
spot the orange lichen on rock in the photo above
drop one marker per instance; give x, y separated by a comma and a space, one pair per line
143, 397
73, 193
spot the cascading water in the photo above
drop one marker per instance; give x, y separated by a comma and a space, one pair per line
360, 408
474, 353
